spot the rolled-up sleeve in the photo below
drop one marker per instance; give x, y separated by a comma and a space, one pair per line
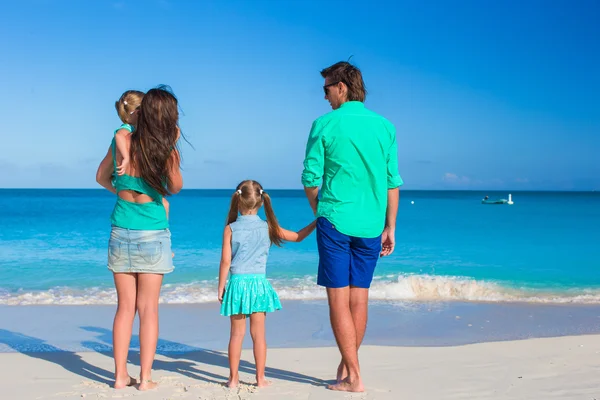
393, 176
314, 160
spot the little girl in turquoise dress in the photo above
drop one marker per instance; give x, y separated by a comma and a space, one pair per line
246, 242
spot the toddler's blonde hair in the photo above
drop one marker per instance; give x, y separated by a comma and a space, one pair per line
127, 104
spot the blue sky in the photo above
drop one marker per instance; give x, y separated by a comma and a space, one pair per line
484, 95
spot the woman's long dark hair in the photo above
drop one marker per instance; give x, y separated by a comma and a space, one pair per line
155, 138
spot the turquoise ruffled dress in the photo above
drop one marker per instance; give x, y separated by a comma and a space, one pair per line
248, 290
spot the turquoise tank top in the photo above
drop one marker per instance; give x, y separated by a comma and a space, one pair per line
250, 245
138, 216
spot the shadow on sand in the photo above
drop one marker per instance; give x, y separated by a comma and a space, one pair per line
188, 360
38, 348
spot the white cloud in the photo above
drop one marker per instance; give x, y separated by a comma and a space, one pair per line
453, 178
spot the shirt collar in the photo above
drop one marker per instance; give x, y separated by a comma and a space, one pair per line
248, 217
353, 104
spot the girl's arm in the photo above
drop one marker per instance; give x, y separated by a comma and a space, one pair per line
297, 236
175, 180
225, 262
105, 172
122, 143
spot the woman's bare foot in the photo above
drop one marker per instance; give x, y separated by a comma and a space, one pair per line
262, 382
232, 383
342, 372
123, 383
347, 386
147, 384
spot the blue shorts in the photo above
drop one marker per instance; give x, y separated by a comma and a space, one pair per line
140, 251
345, 260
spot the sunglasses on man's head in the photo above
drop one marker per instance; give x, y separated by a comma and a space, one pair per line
326, 86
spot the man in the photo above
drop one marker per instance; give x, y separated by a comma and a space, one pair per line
352, 153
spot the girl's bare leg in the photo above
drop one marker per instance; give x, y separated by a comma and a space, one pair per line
259, 340
238, 330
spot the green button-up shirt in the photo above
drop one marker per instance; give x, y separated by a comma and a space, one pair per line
353, 153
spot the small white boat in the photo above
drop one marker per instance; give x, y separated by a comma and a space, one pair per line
487, 200
494, 201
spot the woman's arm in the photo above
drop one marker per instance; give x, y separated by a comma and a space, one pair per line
105, 172
174, 180
225, 262
297, 236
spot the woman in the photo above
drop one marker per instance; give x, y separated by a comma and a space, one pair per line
139, 249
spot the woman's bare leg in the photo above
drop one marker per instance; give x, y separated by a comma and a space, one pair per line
126, 285
147, 306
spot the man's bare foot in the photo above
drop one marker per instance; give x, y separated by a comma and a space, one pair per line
342, 372
147, 384
232, 383
347, 386
262, 382
123, 383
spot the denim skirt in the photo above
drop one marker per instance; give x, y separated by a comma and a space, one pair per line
140, 251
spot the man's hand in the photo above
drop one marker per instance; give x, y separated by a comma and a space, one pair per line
388, 237
315, 206
388, 241
312, 194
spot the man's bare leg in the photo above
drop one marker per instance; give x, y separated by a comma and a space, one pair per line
359, 309
345, 336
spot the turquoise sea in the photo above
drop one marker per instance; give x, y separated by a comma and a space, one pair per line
545, 248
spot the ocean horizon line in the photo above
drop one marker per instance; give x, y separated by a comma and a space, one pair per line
228, 190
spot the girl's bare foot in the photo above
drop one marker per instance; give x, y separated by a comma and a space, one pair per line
147, 384
347, 386
262, 382
123, 383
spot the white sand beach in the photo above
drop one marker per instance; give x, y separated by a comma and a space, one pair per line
547, 368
